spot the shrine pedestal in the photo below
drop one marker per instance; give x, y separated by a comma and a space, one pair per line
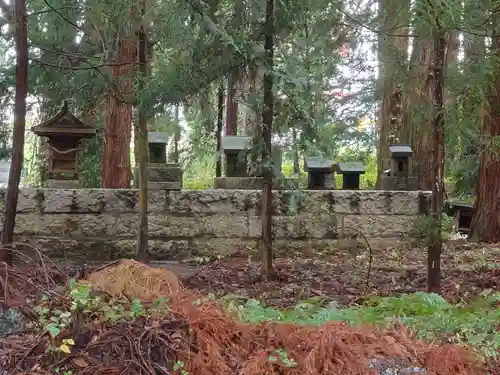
162, 176
399, 183
63, 184
254, 183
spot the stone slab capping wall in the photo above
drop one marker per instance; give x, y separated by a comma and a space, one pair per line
101, 224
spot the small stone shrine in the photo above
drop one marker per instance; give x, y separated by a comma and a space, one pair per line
320, 173
161, 174
235, 150
462, 213
64, 132
400, 175
351, 172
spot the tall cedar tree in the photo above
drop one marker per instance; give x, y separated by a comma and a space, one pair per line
393, 51
234, 80
218, 131
485, 225
436, 241
177, 136
267, 122
142, 141
116, 172
21, 38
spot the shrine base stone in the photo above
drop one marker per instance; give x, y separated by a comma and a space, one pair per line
63, 184
254, 183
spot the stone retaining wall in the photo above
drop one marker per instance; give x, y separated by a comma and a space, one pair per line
102, 224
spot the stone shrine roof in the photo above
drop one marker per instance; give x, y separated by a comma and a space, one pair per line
351, 167
400, 151
318, 163
64, 123
157, 137
236, 143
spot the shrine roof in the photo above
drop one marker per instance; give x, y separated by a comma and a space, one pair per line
400, 151
64, 123
351, 167
319, 164
158, 137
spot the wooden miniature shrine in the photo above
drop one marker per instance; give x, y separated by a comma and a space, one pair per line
64, 132
400, 175
351, 172
320, 173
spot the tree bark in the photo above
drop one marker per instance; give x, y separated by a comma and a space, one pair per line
295, 150
142, 143
393, 53
418, 109
436, 240
234, 80
177, 135
21, 38
232, 104
267, 125
116, 171
485, 225
218, 132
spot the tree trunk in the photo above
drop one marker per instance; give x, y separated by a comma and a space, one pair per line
218, 132
393, 52
177, 135
267, 126
417, 123
295, 148
436, 240
253, 106
142, 144
116, 171
21, 38
233, 82
232, 104
485, 225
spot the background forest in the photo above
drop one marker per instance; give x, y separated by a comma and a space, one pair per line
349, 79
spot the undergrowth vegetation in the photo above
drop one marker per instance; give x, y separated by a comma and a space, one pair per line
430, 316
66, 326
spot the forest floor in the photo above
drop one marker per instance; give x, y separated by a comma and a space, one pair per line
323, 315
467, 269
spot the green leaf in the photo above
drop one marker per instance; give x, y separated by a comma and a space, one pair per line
136, 308
53, 329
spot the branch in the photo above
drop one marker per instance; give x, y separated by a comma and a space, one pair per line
50, 10
62, 16
92, 67
66, 54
